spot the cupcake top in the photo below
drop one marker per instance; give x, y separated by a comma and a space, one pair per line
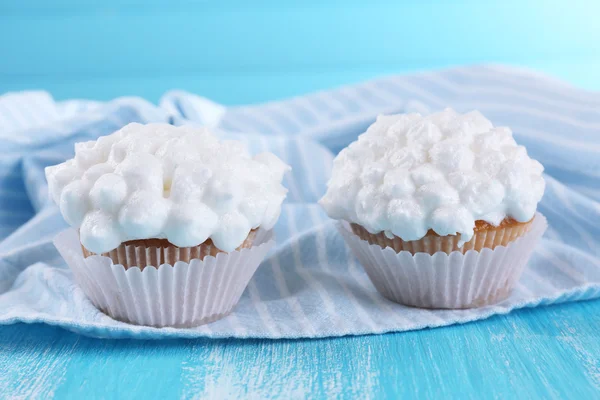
166, 182
410, 173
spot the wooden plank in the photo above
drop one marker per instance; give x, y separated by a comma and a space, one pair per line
246, 89
236, 53
226, 89
549, 352
196, 38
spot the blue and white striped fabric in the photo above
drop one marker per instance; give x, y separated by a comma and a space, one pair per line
310, 286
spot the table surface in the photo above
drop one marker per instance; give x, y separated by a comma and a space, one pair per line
152, 46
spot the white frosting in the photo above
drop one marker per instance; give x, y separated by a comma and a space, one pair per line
161, 181
408, 174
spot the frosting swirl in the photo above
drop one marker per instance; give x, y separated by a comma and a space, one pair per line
410, 173
162, 181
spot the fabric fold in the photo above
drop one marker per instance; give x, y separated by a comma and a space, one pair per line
309, 285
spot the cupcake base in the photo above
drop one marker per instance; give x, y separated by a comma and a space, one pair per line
146, 252
181, 295
441, 280
485, 236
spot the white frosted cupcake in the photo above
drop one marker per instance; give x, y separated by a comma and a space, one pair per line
169, 223
439, 209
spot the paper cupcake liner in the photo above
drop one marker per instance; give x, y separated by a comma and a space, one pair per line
181, 295
431, 244
142, 253
455, 280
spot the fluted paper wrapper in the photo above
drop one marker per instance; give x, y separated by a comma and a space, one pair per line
455, 280
181, 295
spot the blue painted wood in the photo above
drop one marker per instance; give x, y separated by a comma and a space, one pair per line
264, 36
534, 353
236, 52
239, 52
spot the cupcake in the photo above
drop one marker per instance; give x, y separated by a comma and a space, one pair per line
439, 209
168, 223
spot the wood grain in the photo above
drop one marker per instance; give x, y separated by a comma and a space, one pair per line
549, 352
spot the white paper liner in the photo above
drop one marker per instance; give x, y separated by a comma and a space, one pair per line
183, 295
445, 280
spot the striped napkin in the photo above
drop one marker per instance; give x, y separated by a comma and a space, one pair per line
310, 286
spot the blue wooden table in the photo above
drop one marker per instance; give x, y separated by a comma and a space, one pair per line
533, 353
241, 52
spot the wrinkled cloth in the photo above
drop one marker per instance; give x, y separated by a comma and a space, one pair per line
310, 285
